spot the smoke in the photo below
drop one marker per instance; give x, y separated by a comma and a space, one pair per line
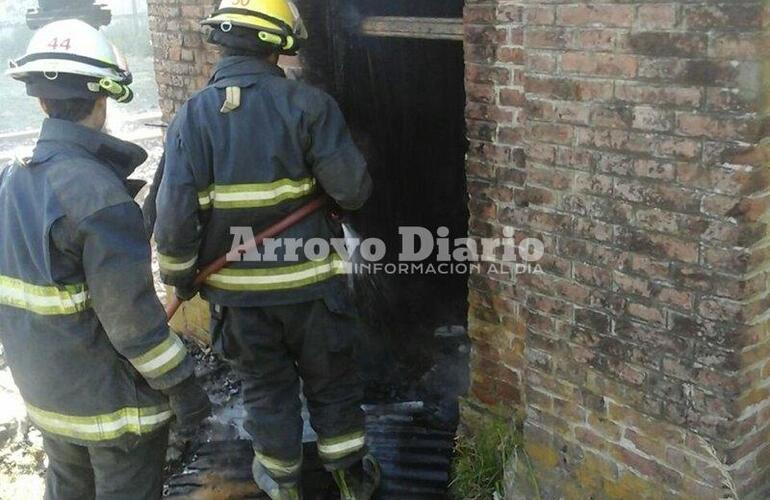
349, 18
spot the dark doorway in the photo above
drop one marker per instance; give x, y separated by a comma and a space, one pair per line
404, 99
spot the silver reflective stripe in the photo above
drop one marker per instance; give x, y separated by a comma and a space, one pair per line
161, 359
174, 264
336, 448
44, 300
204, 200
279, 468
103, 427
238, 196
281, 278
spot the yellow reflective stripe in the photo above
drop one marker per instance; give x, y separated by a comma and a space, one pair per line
44, 300
101, 427
204, 198
342, 446
235, 196
162, 358
175, 264
278, 468
281, 278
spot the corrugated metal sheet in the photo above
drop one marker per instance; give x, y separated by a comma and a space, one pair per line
414, 454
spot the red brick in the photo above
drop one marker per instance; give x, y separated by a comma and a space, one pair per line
595, 14
541, 62
736, 46
553, 133
612, 65
665, 44
685, 97
649, 118
656, 16
647, 314
596, 40
479, 14
539, 14
545, 38
731, 15
512, 97
481, 93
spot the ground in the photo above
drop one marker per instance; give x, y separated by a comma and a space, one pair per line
22, 461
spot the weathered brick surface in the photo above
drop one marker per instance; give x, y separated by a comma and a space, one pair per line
633, 149
627, 136
183, 61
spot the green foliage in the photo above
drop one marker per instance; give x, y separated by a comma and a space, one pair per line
480, 460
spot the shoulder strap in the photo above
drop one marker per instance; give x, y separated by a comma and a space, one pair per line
232, 100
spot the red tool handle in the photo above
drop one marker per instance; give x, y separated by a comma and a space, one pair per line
270, 232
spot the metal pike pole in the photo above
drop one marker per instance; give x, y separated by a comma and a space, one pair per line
305, 211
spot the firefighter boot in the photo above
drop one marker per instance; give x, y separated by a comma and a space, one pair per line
360, 481
274, 490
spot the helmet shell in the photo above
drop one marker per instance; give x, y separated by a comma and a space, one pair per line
71, 47
237, 13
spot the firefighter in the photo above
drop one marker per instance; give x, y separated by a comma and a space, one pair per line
246, 151
84, 334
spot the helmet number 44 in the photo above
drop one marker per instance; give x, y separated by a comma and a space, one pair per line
55, 44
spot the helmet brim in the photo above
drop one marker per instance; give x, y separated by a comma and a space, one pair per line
52, 66
250, 22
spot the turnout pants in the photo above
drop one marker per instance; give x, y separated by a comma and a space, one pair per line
271, 349
111, 473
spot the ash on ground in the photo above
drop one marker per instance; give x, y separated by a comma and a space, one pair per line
22, 460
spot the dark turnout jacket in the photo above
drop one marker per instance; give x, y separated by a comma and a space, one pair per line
280, 146
84, 334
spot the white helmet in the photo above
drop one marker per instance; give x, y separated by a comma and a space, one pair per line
71, 58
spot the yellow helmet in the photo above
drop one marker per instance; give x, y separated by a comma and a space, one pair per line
277, 22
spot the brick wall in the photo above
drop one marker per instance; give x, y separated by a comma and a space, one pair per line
626, 135
183, 60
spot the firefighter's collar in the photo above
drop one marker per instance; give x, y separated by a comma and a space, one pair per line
124, 157
233, 66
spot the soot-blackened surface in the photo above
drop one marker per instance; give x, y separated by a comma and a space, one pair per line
404, 100
410, 8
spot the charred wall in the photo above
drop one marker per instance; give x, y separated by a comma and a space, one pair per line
404, 100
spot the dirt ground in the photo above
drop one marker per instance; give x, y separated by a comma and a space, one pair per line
22, 461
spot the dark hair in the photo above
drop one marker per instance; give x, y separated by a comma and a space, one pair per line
73, 110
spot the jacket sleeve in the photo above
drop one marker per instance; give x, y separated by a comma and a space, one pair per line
335, 160
116, 260
149, 207
178, 229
